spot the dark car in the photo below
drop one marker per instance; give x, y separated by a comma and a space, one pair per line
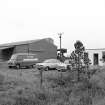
19, 60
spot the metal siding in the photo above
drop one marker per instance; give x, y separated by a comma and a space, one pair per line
21, 49
44, 50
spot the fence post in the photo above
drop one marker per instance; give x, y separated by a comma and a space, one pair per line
41, 75
20, 72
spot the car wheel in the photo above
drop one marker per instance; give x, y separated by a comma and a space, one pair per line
17, 66
27, 67
58, 69
63, 70
32, 66
10, 67
46, 68
68, 67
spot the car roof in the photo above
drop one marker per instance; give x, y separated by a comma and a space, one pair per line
14, 56
51, 60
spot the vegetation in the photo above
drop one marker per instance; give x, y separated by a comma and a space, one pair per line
79, 59
54, 90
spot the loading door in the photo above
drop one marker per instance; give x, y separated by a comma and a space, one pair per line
6, 53
96, 59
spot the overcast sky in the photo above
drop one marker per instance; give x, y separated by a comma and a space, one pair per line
33, 19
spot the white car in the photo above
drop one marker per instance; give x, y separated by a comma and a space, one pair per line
53, 64
69, 66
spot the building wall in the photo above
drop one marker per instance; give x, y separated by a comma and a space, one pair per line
21, 48
43, 49
91, 56
1, 55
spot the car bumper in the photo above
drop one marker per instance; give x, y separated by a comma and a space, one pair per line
11, 64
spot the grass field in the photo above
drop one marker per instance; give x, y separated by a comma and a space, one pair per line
23, 87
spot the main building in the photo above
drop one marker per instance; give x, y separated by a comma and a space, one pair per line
44, 48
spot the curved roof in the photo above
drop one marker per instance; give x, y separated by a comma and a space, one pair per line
25, 42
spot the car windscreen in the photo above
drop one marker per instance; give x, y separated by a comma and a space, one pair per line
52, 61
13, 57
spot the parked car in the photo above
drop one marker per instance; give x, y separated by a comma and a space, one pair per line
69, 66
19, 60
53, 64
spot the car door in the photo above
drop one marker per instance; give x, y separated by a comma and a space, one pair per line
58, 65
19, 60
24, 62
55, 64
27, 60
51, 64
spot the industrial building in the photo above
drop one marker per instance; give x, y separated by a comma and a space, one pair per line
43, 48
96, 55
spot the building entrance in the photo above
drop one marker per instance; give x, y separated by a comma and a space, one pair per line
6, 53
96, 59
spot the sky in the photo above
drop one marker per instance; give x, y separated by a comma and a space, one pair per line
82, 20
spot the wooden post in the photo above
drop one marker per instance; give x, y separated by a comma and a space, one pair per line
41, 76
61, 75
20, 72
78, 67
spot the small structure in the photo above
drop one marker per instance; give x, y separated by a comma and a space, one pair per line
96, 55
61, 53
44, 48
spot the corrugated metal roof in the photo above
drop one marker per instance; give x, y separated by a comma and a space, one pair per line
18, 43
7, 45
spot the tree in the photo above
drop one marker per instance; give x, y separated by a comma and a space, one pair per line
79, 58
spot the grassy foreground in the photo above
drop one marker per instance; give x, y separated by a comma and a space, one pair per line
54, 90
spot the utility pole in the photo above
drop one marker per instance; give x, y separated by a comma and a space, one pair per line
60, 36
28, 47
